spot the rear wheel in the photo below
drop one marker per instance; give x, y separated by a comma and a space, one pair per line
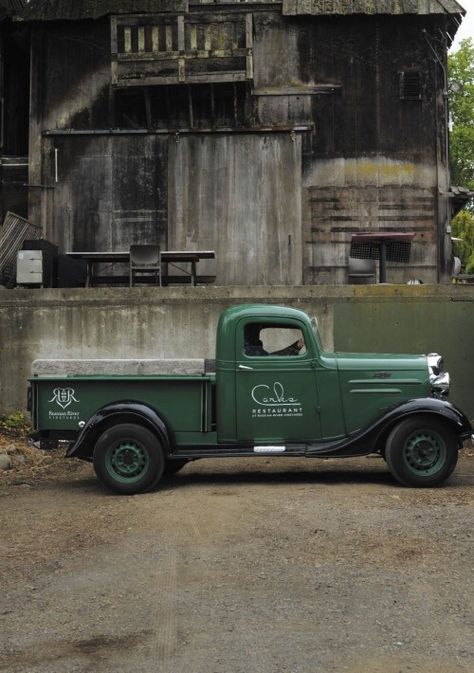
128, 459
421, 452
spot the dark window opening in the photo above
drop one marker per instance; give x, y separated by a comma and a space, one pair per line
197, 106
410, 85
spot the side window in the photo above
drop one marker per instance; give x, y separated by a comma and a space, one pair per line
262, 340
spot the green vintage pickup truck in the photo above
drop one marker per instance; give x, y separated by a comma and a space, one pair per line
272, 390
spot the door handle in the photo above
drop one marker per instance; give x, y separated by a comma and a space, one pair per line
248, 369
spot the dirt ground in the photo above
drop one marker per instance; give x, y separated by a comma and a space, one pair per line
269, 565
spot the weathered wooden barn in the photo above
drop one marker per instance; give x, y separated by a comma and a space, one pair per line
268, 131
14, 88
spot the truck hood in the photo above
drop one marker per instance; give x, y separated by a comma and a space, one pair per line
370, 384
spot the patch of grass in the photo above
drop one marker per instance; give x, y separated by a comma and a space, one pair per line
17, 424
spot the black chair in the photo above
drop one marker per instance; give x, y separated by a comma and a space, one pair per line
145, 264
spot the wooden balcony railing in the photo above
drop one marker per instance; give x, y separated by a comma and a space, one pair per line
152, 50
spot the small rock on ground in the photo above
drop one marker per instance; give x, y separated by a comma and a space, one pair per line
5, 461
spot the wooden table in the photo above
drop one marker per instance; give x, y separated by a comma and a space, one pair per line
171, 257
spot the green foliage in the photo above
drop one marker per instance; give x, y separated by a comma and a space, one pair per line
461, 105
463, 227
15, 423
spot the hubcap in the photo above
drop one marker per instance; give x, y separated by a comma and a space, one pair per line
126, 461
424, 452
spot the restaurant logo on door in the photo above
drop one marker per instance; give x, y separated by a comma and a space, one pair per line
271, 401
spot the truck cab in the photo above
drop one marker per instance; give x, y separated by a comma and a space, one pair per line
304, 394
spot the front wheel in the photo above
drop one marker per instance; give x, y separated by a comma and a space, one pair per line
421, 452
128, 459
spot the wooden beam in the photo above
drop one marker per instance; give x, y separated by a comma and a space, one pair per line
141, 39
249, 45
181, 70
175, 55
207, 38
181, 39
200, 78
113, 36
155, 39
127, 36
169, 38
193, 36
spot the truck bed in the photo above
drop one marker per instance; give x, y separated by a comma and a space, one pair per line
66, 393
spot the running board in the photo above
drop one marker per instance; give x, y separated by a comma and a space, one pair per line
343, 448
223, 451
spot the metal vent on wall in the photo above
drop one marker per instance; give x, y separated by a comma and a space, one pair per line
410, 85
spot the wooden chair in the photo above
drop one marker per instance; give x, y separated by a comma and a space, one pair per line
145, 263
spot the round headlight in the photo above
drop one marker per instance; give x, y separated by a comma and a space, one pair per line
441, 384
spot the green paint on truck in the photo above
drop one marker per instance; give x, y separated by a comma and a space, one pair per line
272, 390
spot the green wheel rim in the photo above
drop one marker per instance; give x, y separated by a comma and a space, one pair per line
424, 452
126, 461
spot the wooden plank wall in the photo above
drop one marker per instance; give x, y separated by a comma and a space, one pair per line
241, 196
111, 191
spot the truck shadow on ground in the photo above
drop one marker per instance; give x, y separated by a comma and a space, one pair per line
284, 477
197, 474
211, 478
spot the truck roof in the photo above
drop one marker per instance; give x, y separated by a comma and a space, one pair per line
262, 310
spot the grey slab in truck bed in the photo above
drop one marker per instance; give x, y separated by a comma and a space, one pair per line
118, 367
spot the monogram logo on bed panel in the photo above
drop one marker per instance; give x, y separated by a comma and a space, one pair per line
64, 397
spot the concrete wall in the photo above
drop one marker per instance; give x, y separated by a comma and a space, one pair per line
181, 323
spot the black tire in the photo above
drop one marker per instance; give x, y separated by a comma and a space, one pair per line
128, 459
174, 466
421, 451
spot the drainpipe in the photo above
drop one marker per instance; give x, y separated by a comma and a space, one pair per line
443, 236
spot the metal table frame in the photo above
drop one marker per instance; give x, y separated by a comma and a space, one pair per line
172, 257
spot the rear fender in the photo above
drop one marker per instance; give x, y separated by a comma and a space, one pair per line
113, 414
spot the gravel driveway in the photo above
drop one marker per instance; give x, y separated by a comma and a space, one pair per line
237, 566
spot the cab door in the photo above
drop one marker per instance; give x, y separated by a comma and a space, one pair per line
276, 393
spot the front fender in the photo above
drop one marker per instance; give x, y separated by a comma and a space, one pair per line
373, 437
432, 406
127, 411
